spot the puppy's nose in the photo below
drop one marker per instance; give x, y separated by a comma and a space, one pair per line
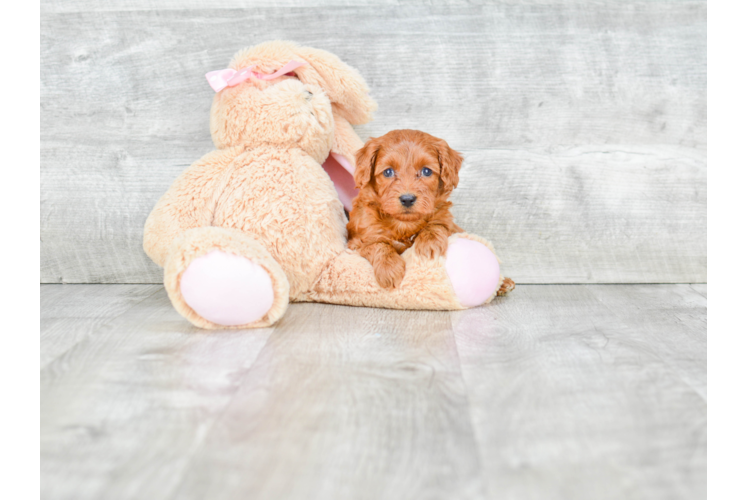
407, 200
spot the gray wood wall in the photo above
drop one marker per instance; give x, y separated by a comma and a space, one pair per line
583, 123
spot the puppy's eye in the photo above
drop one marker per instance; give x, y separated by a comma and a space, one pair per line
388, 173
426, 172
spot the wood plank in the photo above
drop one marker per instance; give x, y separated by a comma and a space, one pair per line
124, 109
72, 313
589, 215
60, 6
350, 403
552, 392
484, 76
124, 408
71, 6
132, 414
589, 392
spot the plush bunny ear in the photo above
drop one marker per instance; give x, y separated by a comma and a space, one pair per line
345, 87
450, 162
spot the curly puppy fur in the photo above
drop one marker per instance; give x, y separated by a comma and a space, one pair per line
405, 178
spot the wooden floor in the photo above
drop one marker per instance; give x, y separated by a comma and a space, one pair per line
556, 391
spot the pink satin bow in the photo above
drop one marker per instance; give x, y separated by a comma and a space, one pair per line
223, 78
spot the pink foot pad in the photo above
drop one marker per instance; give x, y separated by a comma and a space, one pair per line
473, 270
227, 289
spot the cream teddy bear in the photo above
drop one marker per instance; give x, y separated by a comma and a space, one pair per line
260, 221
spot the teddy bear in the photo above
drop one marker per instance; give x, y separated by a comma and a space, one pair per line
261, 222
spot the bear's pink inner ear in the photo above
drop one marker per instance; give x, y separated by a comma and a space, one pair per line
341, 173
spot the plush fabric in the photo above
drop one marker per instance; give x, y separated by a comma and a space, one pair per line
227, 289
263, 203
464, 259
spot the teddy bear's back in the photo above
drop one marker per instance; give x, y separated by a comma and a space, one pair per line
284, 198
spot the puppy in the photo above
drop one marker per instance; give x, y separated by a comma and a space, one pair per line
405, 178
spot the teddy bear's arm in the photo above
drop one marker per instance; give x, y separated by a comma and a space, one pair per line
187, 204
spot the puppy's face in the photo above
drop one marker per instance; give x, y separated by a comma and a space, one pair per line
406, 178
409, 171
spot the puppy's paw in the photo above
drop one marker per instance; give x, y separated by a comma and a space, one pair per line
506, 287
390, 271
430, 245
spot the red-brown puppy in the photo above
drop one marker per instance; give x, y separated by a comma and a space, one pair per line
405, 178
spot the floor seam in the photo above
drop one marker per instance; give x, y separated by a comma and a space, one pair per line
473, 427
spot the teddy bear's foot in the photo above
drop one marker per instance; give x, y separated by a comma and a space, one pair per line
473, 270
506, 286
468, 276
223, 278
227, 289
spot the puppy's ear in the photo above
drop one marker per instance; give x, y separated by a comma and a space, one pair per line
450, 162
366, 161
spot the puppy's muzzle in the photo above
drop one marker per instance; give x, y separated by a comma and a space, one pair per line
407, 200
